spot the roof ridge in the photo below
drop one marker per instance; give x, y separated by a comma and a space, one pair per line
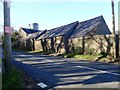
91, 19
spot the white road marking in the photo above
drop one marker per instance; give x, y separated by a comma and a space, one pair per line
98, 70
42, 85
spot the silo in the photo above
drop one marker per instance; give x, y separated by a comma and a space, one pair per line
35, 26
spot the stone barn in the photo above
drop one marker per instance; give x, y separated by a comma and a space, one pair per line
56, 40
91, 37
36, 44
23, 33
88, 37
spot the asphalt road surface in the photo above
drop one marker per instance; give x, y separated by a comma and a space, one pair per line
57, 72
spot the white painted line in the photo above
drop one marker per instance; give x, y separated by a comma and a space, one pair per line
91, 68
42, 85
98, 70
80, 66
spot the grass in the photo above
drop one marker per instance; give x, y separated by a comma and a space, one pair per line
98, 57
80, 56
0, 74
0, 80
86, 56
12, 78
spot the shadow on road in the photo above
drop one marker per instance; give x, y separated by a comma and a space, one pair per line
59, 71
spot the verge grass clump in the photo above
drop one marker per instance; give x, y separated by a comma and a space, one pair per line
12, 78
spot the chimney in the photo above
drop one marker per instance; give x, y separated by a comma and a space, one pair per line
30, 26
35, 26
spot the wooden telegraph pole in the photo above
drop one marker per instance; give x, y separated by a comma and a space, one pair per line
113, 28
7, 34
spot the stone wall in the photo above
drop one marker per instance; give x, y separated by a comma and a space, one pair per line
38, 46
84, 45
91, 45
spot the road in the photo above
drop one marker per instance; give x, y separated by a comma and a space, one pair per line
57, 72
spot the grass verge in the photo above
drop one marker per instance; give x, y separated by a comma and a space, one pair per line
0, 80
12, 78
81, 56
98, 57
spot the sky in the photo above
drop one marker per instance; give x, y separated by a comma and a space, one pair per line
54, 14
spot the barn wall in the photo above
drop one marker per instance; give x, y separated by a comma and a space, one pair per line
38, 46
48, 45
93, 45
29, 45
57, 47
22, 34
22, 43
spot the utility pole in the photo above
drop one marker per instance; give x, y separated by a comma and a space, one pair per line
7, 36
113, 28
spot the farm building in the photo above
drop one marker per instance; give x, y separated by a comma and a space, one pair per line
90, 36
23, 33
36, 44
56, 40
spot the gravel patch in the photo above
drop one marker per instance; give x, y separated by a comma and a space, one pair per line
29, 82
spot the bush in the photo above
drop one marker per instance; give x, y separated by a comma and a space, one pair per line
78, 50
90, 51
69, 55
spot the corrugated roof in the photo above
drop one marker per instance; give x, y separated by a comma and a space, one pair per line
30, 31
97, 25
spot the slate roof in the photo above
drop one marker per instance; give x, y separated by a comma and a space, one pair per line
29, 31
41, 33
59, 31
96, 25
35, 35
45, 34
